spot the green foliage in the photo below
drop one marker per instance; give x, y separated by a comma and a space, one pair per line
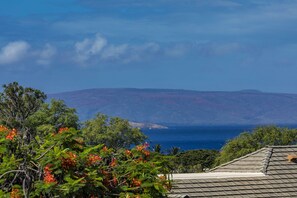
56, 162
62, 165
166, 162
114, 132
18, 103
260, 137
51, 117
157, 148
194, 161
174, 150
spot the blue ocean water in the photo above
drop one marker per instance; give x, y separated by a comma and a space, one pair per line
194, 137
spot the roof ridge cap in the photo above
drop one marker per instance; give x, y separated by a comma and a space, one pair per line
266, 160
237, 159
282, 146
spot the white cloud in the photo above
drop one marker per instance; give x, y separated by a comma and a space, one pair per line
46, 54
97, 49
177, 50
129, 53
14, 52
114, 52
89, 47
142, 52
23, 54
149, 47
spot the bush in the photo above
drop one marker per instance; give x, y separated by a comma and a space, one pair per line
248, 142
194, 161
61, 164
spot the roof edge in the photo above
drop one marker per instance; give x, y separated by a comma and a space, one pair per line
281, 146
265, 160
214, 175
240, 158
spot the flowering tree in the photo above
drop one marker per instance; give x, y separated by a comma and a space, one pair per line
62, 165
38, 158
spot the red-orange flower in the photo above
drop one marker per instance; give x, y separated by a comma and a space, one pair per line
61, 130
15, 193
11, 134
136, 182
128, 152
104, 172
140, 147
3, 128
115, 180
69, 161
48, 176
146, 153
105, 148
139, 160
93, 159
113, 162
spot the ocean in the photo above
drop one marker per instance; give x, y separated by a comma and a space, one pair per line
194, 137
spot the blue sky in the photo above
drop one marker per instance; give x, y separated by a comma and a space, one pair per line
207, 45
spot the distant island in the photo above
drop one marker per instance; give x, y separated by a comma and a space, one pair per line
185, 107
147, 125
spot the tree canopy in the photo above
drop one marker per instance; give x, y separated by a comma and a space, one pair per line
113, 132
260, 137
194, 161
52, 116
18, 103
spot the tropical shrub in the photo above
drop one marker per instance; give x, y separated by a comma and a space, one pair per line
41, 157
61, 165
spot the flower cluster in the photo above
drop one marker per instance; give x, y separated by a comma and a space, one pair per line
136, 182
128, 152
113, 162
48, 176
15, 193
69, 161
146, 153
11, 134
142, 147
3, 128
97, 170
93, 159
61, 130
105, 149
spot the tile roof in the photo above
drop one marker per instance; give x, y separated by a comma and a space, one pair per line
265, 173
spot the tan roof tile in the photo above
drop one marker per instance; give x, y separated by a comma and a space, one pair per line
280, 179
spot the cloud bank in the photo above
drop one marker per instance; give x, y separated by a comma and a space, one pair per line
14, 52
19, 51
98, 49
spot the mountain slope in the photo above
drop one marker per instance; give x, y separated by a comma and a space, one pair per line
185, 107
